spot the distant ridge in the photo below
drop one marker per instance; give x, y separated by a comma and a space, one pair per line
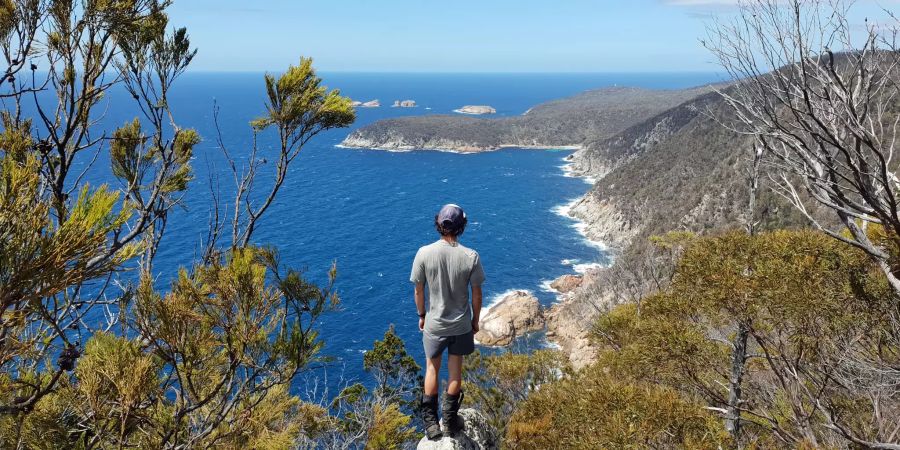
568, 122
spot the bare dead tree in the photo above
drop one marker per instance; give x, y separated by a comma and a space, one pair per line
819, 93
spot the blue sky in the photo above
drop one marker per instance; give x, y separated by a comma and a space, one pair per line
452, 36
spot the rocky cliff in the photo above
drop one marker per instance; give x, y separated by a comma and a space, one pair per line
679, 170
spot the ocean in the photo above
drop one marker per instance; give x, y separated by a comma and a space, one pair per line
369, 211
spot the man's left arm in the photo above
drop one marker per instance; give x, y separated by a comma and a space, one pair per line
476, 278
476, 307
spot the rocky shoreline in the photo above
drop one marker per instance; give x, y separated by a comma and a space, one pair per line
398, 143
568, 321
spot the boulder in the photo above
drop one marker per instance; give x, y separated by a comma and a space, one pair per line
513, 316
566, 283
478, 435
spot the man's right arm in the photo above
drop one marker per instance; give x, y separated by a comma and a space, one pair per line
420, 304
417, 277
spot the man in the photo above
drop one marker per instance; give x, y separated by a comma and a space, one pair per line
448, 269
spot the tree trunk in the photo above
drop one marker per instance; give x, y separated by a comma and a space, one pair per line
738, 358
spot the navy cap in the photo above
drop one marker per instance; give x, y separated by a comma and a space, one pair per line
451, 217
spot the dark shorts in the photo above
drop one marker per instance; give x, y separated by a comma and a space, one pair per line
463, 344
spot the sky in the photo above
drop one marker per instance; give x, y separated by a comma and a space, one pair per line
455, 35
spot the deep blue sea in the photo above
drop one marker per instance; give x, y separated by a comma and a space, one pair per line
370, 210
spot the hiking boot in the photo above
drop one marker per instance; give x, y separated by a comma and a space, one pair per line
429, 411
453, 424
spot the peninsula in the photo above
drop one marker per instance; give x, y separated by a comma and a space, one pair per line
571, 122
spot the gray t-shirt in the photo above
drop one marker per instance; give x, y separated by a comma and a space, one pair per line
447, 269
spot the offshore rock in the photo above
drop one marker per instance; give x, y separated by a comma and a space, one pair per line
476, 109
566, 283
513, 316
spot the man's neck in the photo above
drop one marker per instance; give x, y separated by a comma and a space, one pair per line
450, 239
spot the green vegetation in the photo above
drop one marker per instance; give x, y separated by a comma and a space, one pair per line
595, 410
90, 358
816, 368
788, 337
497, 384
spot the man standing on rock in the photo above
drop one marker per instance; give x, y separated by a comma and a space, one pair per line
449, 323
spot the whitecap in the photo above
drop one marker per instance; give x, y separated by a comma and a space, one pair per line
564, 209
494, 299
584, 268
551, 345
545, 286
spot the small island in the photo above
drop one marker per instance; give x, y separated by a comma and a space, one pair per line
404, 104
475, 109
370, 104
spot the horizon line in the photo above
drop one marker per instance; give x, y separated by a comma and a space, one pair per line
460, 72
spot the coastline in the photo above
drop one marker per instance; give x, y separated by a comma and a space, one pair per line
566, 330
462, 150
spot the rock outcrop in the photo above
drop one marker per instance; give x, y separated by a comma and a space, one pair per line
478, 435
569, 321
404, 104
475, 109
568, 328
566, 283
368, 104
513, 316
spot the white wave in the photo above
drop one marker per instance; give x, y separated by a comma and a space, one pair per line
545, 286
566, 208
494, 299
569, 262
569, 172
584, 268
581, 228
551, 345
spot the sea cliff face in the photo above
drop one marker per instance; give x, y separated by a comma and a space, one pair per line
679, 170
